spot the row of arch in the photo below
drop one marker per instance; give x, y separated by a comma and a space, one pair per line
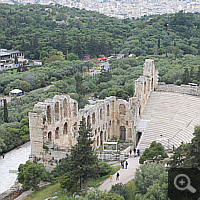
57, 111
122, 111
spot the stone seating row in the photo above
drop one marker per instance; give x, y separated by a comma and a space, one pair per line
173, 116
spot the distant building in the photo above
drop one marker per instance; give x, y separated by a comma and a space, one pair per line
7, 57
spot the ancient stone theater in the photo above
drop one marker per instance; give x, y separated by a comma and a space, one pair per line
54, 123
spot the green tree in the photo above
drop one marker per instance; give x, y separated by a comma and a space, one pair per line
79, 88
16, 60
24, 86
83, 161
30, 175
5, 111
120, 189
72, 56
155, 152
67, 182
2, 145
186, 76
147, 178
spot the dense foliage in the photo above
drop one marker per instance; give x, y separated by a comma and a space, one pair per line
43, 30
155, 152
151, 182
30, 175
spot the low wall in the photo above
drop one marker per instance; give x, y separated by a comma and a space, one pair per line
184, 89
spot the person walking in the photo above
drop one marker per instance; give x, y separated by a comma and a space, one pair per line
117, 176
138, 152
3, 155
130, 152
126, 164
134, 151
122, 164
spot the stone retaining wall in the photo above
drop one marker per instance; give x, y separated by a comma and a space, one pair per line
184, 89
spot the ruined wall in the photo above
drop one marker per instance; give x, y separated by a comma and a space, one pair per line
146, 83
54, 124
184, 89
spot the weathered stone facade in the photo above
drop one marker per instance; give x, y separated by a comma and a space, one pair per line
54, 124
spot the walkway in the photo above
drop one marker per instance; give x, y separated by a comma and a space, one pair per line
10, 163
125, 175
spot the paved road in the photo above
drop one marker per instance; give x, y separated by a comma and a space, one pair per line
125, 175
11, 162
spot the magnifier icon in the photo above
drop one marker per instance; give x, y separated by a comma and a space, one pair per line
188, 186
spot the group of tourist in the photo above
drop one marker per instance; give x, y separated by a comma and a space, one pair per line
138, 152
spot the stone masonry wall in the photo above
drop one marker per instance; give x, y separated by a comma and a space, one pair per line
184, 89
54, 123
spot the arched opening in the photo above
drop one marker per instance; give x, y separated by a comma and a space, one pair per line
152, 84
88, 120
122, 133
65, 128
101, 114
75, 109
65, 107
138, 136
108, 110
57, 133
101, 138
93, 118
56, 111
97, 140
49, 136
122, 109
48, 114
139, 110
145, 87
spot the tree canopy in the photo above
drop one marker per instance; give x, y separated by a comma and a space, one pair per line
155, 152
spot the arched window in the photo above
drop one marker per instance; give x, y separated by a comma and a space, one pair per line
65, 128
75, 109
57, 133
93, 118
56, 111
49, 136
145, 85
122, 109
108, 110
101, 114
48, 114
65, 107
88, 120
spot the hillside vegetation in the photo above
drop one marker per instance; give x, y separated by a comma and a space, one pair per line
46, 31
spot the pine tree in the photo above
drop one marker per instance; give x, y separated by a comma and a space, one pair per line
5, 111
83, 161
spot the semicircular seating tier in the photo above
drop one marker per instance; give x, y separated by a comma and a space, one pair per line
169, 118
